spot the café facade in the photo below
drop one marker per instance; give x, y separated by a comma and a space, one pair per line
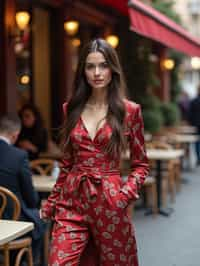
40, 42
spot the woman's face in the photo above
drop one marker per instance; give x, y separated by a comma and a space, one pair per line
97, 71
28, 118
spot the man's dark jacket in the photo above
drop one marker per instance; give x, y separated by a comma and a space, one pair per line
15, 175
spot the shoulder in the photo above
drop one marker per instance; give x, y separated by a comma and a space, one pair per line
18, 152
131, 107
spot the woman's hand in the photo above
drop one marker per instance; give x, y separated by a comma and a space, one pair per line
27, 145
42, 217
130, 209
41, 212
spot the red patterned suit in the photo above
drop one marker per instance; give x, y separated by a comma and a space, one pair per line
89, 200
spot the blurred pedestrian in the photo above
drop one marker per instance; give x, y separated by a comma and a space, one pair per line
89, 201
33, 136
194, 118
184, 104
15, 175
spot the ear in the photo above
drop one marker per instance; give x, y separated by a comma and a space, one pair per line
14, 136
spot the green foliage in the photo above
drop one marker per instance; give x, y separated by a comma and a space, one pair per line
175, 81
166, 8
153, 120
141, 73
152, 114
151, 101
171, 113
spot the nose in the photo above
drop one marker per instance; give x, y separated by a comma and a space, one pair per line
97, 71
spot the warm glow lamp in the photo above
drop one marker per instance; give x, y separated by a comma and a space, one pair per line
168, 64
76, 42
71, 27
22, 19
25, 79
113, 40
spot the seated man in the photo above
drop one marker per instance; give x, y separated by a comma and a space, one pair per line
15, 175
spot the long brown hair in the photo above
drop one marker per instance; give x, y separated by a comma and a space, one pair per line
82, 91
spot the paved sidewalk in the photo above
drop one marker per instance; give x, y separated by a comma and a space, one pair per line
174, 240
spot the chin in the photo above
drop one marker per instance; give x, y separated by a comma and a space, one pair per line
99, 87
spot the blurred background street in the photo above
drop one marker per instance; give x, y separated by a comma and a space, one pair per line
173, 241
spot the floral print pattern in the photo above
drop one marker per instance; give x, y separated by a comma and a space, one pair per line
88, 202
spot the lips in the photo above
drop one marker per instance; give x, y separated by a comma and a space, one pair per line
98, 80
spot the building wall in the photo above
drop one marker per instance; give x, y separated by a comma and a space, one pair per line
189, 10
41, 63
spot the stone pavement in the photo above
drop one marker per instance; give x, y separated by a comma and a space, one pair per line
174, 240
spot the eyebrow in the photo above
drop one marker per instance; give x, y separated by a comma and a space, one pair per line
94, 63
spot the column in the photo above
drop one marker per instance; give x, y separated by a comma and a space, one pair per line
8, 91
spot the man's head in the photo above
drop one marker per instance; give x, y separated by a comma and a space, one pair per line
10, 126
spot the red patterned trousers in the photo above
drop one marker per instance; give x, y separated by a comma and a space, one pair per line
93, 229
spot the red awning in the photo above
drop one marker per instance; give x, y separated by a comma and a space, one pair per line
119, 5
150, 23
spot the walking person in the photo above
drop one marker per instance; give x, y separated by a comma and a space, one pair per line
89, 201
194, 118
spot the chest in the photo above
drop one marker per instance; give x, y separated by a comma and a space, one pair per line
93, 121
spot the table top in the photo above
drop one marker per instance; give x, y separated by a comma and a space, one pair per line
10, 230
156, 154
43, 183
186, 129
160, 154
182, 138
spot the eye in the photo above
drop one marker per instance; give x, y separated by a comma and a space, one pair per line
89, 66
104, 65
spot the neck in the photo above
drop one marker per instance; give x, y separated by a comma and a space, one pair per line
5, 137
98, 98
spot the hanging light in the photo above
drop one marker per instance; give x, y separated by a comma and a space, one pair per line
168, 64
25, 79
76, 42
22, 19
113, 40
71, 27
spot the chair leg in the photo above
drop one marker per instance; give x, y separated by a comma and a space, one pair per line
164, 192
30, 256
6, 255
28, 252
172, 186
154, 199
178, 177
148, 200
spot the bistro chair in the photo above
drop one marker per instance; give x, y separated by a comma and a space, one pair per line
22, 245
42, 166
170, 168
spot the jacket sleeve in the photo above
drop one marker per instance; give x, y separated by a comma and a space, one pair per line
139, 161
29, 195
48, 208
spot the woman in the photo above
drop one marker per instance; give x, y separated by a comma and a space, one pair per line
89, 200
33, 136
